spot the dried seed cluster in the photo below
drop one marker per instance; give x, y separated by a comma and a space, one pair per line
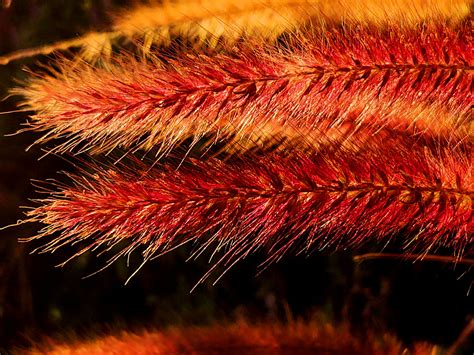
336, 136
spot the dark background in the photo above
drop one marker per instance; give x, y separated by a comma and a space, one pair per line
424, 301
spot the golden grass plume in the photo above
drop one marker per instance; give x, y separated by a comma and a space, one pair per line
210, 21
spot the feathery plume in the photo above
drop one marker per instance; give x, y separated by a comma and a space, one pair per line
414, 81
274, 202
276, 338
210, 21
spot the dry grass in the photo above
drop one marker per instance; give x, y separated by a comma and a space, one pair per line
237, 338
331, 84
280, 203
209, 21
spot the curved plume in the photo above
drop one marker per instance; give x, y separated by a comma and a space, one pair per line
274, 201
210, 21
275, 337
412, 81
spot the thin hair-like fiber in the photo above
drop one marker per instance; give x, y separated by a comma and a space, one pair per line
209, 21
415, 81
276, 337
277, 202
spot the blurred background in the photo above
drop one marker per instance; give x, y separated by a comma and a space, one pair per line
422, 301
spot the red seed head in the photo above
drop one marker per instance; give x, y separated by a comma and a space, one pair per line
414, 81
422, 194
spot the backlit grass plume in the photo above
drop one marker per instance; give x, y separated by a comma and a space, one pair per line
209, 21
276, 202
276, 338
415, 81
230, 20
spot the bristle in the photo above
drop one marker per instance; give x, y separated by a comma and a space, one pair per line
412, 81
93, 46
276, 202
209, 22
278, 338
